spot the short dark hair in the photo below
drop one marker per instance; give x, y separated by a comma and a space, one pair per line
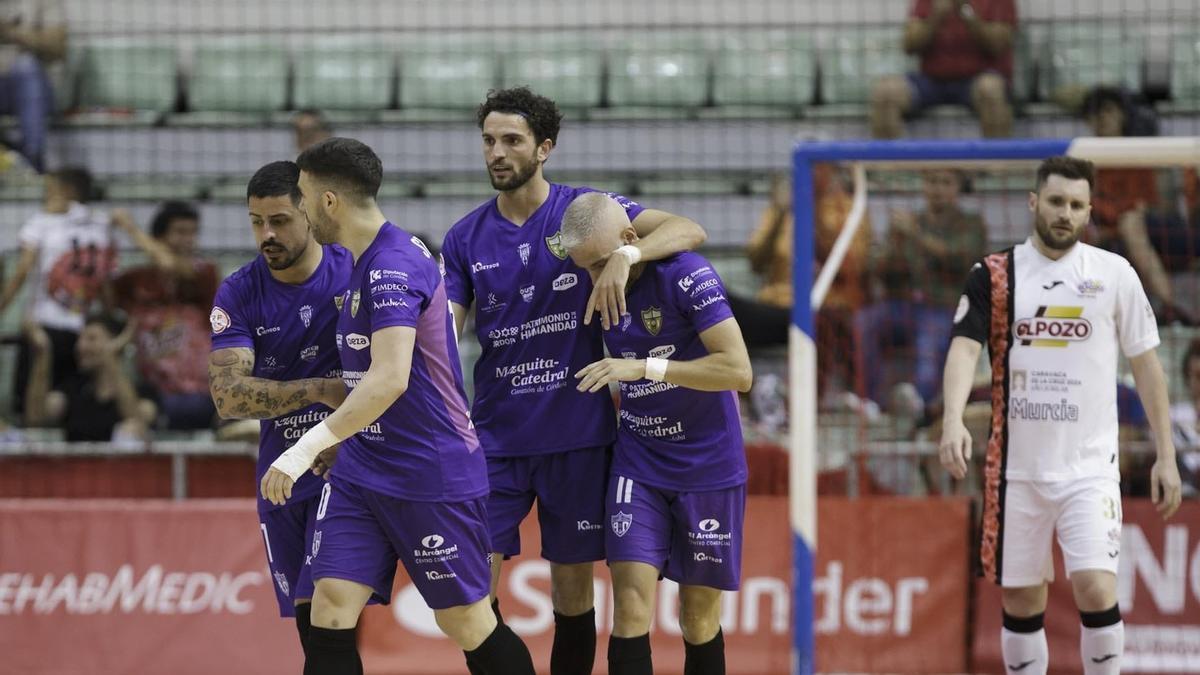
1098, 96
351, 164
170, 211
76, 179
112, 321
539, 112
276, 179
1071, 168
1193, 352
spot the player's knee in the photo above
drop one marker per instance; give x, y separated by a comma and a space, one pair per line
1094, 591
1024, 602
631, 610
572, 588
467, 625
700, 616
334, 607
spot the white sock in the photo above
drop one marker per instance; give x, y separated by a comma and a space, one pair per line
1101, 649
1024, 653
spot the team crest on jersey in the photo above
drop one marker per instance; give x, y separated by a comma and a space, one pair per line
354, 298
554, 243
282, 581
339, 301
219, 320
621, 522
306, 315
524, 249
652, 319
1053, 327
316, 543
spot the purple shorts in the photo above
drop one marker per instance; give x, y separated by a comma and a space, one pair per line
360, 534
287, 535
569, 487
693, 538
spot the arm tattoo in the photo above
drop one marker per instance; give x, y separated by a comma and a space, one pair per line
238, 394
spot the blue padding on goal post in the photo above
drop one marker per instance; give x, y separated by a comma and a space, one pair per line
929, 150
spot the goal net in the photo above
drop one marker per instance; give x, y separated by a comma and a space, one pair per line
885, 235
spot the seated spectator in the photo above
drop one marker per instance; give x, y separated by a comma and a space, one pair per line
67, 249
1185, 422
966, 52
168, 300
33, 35
920, 270
310, 126
1131, 217
97, 403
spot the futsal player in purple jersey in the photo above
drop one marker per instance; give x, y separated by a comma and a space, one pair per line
677, 491
533, 318
273, 358
410, 481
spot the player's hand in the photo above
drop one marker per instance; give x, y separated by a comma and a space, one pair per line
333, 393
324, 461
955, 449
276, 486
123, 220
1165, 488
608, 293
596, 376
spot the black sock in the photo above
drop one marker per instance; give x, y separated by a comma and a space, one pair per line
332, 651
630, 656
472, 668
502, 653
303, 623
705, 659
574, 651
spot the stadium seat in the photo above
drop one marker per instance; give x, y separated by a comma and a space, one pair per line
344, 76
446, 73
128, 74
1185, 68
154, 188
1082, 54
238, 76
659, 71
851, 59
567, 68
770, 68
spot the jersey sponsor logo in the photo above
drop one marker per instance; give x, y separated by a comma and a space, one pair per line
480, 266
316, 545
434, 575
524, 250
621, 522
416, 241
626, 320
434, 549
1024, 409
339, 342
1090, 288
281, 580
554, 243
355, 297
632, 390
263, 330
587, 526
686, 282
388, 302
357, 342
306, 315
701, 556
389, 287
565, 281
705, 285
433, 541
652, 319
1053, 327
964, 306
625, 202
310, 353
707, 302
493, 304
527, 292
662, 351
219, 320
380, 275
709, 525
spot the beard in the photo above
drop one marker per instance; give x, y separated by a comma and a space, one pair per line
324, 230
288, 258
1052, 238
517, 179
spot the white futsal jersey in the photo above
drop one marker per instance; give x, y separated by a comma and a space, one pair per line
1052, 328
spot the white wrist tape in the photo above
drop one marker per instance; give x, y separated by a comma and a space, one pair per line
299, 457
632, 253
656, 369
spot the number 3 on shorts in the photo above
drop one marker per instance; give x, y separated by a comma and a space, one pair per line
324, 501
1112, 508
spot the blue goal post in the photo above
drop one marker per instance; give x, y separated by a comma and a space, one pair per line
810, 292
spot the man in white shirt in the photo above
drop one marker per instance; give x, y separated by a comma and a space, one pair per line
1053, 312
33, 34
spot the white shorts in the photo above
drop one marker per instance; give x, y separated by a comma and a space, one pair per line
1085, 514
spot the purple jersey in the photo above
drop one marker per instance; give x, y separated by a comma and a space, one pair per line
529, 303
671, 437
423, 448
291, 329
